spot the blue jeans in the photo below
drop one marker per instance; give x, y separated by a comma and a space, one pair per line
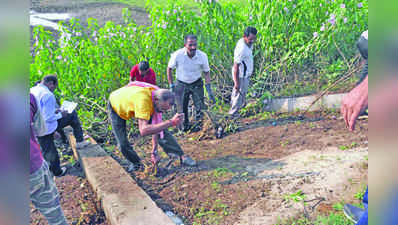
364, 218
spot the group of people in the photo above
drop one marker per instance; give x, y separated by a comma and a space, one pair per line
143, 100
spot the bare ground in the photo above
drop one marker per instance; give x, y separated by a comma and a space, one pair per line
245, 177
78, 200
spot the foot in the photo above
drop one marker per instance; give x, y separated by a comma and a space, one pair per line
187, 127
82, 144
155, 158
134, 167
196, 127
186, 160
63, 169
353, 213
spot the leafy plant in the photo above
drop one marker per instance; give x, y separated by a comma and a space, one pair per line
296, 197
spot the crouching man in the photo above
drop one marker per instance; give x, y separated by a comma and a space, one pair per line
145, 102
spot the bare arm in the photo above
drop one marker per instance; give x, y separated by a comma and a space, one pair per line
236, 76
147, 129
170, 75
207, 77
154, 142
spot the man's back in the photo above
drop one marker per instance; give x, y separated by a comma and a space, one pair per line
47, 103
132, 101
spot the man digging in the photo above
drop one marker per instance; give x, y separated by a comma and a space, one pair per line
145, 102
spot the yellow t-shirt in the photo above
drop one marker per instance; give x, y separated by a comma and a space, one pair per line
133, 101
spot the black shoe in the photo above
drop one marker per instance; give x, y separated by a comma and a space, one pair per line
353, 213
187, 127
135, 167
63, 169
196, 127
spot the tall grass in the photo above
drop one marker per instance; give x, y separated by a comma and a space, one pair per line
302, 47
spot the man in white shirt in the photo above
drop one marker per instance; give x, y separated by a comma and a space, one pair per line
242, 69
55, 120
189, 63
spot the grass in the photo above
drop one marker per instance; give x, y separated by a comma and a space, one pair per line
332, 219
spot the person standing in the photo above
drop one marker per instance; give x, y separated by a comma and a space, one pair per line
242, 69
190, 63
43, 191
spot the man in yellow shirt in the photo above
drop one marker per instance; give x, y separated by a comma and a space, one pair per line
145, 103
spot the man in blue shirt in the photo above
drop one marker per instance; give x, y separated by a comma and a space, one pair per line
55, 120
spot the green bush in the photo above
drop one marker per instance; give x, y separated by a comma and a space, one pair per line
290, 58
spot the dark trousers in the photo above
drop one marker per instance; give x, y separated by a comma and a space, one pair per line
195, 90
50, 153
120, 131
168, 143
70, 120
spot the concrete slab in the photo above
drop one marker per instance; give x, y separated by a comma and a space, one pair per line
301, 103
123, 201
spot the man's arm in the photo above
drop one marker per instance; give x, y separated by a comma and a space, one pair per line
354, 103
153, 76
170, 75
49, 108
132, 74
236, 76
207, 77
154, 142
148, 129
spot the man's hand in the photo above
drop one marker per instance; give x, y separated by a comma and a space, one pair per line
354, 103
64, 113
173, 88
236, 87
210, 93
177, 119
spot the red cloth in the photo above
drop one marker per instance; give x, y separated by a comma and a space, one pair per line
150, 77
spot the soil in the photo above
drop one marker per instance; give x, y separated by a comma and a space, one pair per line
78, 200
245, 177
